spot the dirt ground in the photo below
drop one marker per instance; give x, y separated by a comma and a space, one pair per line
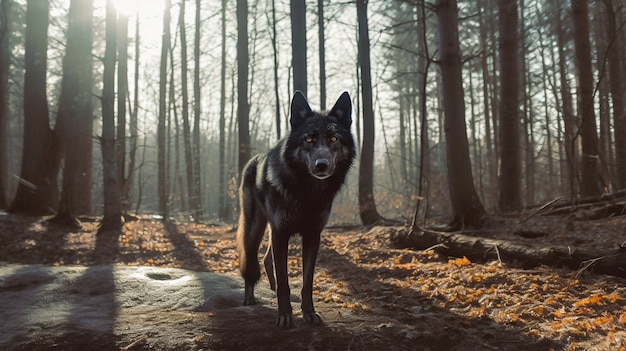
371, 295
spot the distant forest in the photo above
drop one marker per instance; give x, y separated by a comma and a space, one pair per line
461, 110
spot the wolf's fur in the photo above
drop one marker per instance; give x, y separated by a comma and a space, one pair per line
292, 187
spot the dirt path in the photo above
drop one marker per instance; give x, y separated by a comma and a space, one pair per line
371, 296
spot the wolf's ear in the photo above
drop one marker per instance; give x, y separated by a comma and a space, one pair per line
343, 109
300, 109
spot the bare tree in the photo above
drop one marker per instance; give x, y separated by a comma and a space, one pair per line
298, 45
75, 114
5, 65
510, 162
37, 192
590, 182
572, 156
276, 55
197, 110
112, 219
192, 200
467, 207
161, 144
322, 38
243, 110
223, 186
367, 205
616, 77
133, 125
122, 94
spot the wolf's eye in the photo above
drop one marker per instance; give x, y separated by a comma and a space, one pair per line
333, 138
308, 139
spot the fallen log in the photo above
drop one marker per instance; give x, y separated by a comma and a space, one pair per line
605, 261
591, 211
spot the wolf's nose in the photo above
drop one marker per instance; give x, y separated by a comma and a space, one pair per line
321, 165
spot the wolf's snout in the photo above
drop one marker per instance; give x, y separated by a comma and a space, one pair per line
321, 165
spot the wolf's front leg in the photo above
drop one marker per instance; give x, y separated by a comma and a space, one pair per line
280, 250
310, 248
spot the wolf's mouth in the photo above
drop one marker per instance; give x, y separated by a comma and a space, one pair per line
321, 176
322, 168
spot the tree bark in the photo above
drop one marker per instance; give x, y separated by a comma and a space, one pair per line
112, 219
322, 38
133, 125
5, 66
191, 201
276, 55
37, 192
298, 45
571, 142
467, 208
616, 76
161, 144
590, 182
479, 249
242, 83
122, 93
510, 163
75, 114
367, 205
197, 110
223, 186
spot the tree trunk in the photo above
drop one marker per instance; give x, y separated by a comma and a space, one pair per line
5, 66
242, 83
37, 192
278, 112
617, 91
112, 219
321, 38
197, 110
510, 163
423, 65
185, 109
223, 186
467, 209
122, 93
367, 205
590, 182
161, 144
490, 162
133, 125
75, 113
601, 30
298, 45
569, 119
480, 249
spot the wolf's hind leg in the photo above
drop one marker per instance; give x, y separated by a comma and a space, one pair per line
252, 223
249, 238
268, 262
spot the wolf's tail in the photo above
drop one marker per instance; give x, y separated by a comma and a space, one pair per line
252, 224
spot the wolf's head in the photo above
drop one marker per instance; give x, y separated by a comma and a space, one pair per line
322, 141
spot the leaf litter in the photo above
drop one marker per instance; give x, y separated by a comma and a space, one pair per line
371, 295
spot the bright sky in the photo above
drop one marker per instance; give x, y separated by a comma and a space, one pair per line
145, 8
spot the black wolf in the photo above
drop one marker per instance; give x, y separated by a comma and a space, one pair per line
292, 187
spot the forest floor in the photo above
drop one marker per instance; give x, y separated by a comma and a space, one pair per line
371, 295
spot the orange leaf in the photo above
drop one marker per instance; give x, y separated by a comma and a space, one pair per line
460, 262
602, 320
592, 300
623, 318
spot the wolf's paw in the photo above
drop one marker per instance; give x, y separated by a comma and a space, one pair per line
285, 321
249, 301
312, 318
248, 295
